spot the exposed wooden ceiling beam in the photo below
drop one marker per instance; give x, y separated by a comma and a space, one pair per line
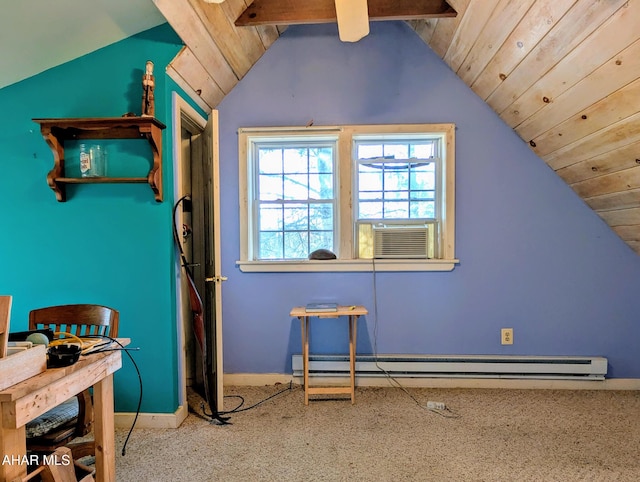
294, 12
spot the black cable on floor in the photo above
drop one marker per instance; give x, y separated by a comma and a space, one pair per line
239, 409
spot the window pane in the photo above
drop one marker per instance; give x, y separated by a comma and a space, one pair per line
321, 160
370, 151
423, 177
369, 178
295, 160
269, 161
270, 245
270, 187
320, 240
396, 176
321, 217
371, 195
295, 217
296, 244
397, 210
421, 151
396, 195
371, 210
396, 151
423, 209
423, 195
320, 186
271, 217
296, 187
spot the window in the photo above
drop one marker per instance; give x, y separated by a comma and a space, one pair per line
294, 198
374, 195
398, 185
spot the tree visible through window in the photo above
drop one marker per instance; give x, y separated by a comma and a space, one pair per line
295, 200
396, 180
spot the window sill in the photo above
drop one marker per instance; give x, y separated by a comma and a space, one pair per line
346, 265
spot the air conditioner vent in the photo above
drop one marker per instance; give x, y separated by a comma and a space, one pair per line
400, 241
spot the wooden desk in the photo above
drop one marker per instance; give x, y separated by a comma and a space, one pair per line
353, 313
27, 400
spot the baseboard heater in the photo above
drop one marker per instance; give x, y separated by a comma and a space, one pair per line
457, 366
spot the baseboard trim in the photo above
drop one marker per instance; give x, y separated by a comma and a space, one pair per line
152, 420
259, 379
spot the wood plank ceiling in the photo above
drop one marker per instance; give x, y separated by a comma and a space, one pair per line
564, 74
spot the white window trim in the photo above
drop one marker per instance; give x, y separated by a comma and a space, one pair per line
345, 180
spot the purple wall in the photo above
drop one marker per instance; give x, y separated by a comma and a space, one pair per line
532, 255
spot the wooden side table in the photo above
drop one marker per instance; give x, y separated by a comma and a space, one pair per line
353, 313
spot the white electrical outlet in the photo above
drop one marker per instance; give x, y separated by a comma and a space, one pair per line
507, 336
436, 405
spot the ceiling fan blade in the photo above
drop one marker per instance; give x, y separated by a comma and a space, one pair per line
353, 19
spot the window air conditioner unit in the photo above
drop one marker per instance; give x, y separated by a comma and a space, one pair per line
400, 241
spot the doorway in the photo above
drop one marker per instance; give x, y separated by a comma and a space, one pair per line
197, 218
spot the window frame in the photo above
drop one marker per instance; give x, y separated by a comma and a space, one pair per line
437, 160
346, 188
284, 144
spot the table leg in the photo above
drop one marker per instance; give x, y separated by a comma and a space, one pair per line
353, 326
304, 328
13, 450
104, 430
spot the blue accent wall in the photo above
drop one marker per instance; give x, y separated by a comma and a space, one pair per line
108, 244
533, 256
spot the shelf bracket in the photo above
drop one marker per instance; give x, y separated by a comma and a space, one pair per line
154, 136
57, 147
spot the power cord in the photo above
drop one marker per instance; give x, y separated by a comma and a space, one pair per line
239, 408
441, 409
106, 348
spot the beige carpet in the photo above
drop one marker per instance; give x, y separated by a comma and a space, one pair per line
498, 435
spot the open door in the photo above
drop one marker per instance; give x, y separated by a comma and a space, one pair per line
206, 210
196, 182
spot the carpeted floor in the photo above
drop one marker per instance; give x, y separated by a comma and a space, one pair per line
488, 435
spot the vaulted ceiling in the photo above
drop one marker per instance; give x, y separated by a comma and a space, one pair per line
564, 74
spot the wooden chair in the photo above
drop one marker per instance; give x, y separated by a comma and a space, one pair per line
61, 425
5, 312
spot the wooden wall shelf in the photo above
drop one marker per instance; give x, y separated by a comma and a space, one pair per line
56, 131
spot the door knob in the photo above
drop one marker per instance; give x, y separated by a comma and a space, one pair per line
216, 279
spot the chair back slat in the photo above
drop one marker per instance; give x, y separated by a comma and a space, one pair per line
79, 320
